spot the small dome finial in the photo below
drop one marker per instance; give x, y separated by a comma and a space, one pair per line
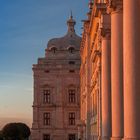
71, 23
71, 16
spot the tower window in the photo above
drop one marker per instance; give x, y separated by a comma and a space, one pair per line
46, 118
72, 137
71, 49
46, 137
53, 49
46, 96
71, 96
72, 118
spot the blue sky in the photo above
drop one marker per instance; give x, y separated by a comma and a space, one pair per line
25, 28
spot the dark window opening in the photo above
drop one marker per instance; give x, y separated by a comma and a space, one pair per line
46, 96
54, 49
47, 71
72, 137
46, 119
71, 71
71, 49
46, 137
72, 96
72, 118
72, 62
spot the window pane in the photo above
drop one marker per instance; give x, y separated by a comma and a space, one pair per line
46, 137
72, 118
46, 118
71, 96
46, 96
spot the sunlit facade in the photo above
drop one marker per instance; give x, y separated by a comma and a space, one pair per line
110, 71
56, 106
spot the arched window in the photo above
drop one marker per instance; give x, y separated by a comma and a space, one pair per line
54, 49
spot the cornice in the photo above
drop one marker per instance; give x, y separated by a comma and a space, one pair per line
114, 6
100, 8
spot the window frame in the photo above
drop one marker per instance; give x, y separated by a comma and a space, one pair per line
72, 118
71, 49
46, 96
47, 118
46, 135
72, 95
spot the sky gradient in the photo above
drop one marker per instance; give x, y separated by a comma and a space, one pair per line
25, 28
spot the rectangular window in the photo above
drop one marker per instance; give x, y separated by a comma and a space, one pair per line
72, 71
72, 137
72, 62
46, 118
71, 96
46, 96
72, 118
46, 137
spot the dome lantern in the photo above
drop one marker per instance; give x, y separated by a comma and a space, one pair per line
71, 23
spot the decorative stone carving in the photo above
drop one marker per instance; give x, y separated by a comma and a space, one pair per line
114, 6
99, 8
105, 32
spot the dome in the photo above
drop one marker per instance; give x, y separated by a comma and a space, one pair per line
70, 39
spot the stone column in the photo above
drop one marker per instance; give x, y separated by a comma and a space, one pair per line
106, 77
117, 68
132, 69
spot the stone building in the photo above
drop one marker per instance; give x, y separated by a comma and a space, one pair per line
90, 73
110, 71
56, 106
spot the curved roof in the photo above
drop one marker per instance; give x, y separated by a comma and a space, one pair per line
70, 39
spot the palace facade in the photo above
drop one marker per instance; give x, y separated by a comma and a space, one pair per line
56, 106
110, 71
97, 97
